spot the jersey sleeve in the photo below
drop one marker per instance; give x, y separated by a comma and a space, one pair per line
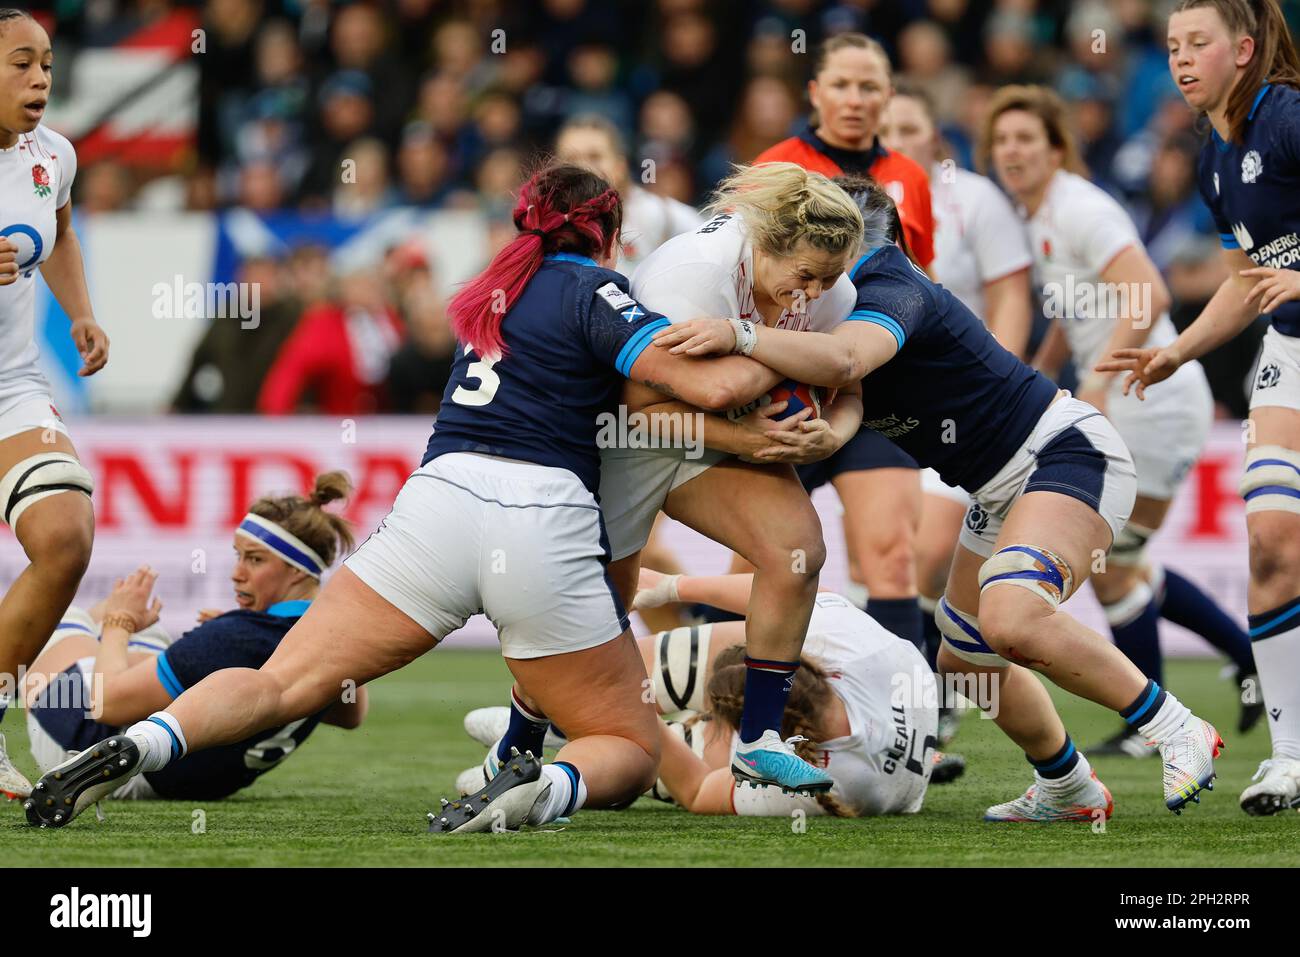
62, 148
997, 235
198, 653
917, 217
1209, 196
685, 291
1102, 230
897, 307
617, 328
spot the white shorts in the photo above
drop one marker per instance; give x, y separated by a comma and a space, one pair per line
634, 484
47, 752
1165, 432
932, 484
523, 543
1073, 450
1277, 380
28, 410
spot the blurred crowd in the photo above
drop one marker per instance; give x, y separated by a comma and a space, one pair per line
357, 107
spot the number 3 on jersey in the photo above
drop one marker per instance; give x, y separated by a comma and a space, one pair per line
488, 381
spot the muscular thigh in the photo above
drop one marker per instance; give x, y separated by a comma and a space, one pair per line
1062, 524
348, 634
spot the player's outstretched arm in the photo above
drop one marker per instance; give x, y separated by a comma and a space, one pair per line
1010, 318
692, 784
122, 692
65, 274
1228, 312
715, 384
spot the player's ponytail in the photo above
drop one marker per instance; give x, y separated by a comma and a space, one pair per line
881, 222
804, 709
562, 208
1275, 59
326, 533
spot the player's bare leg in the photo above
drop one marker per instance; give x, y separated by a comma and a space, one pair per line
1275, 626
1025, 626
56, 534
882, 512
773, 525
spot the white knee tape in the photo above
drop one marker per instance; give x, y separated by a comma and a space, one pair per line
961, 636
679, 661
38, 477
1130, 606
1130, 546
1271, 481
1041, 571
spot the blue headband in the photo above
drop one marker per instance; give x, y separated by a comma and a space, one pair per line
284, 543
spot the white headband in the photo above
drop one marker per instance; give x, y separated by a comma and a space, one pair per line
284, 543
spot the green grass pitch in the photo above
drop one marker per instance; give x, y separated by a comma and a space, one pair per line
359, 798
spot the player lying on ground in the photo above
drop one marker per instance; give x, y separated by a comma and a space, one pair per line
44, 488
1052, 485
1084, 240
501, 517
863, 699
112, 665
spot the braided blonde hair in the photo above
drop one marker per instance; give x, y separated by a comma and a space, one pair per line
782, 204
808, 699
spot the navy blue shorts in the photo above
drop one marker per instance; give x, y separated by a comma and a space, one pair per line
865, 451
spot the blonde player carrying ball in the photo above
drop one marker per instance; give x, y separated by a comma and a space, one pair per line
44, 488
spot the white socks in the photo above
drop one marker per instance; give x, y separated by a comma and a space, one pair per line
1167, 721
568, 793
159, 738
1078, 777
1278, 660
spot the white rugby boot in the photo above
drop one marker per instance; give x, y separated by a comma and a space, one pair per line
13, 783
1188, 755
1276, 787
1043, 804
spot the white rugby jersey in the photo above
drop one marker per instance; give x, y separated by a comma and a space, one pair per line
1075, 234
649, 221
978, 238
36, 176
710, 272
882, 765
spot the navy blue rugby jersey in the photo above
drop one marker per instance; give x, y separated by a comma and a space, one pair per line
237, 639
571, 339
951, 397
1253, 189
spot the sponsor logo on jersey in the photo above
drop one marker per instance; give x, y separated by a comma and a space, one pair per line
1269, 376
1281, 253
1251, 166
615, 297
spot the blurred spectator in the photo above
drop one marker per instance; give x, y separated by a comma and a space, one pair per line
104, 186
423, 168
925, 59
231, 362
346, 113
1171, 216
366, 190
336, 359
358, 44
418, 373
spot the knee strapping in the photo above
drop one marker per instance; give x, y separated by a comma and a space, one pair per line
961, 635
1131, 545
38, 477
1271, 481
1042, 571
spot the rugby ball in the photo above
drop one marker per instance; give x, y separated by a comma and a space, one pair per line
797, 394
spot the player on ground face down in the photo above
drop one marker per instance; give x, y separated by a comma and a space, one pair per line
864, 700
877, 483
501, 517
112, 665
982, 258
44, 489
1052, 484
1097, 278
1235, 62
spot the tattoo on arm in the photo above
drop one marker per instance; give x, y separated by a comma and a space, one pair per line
663, 387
